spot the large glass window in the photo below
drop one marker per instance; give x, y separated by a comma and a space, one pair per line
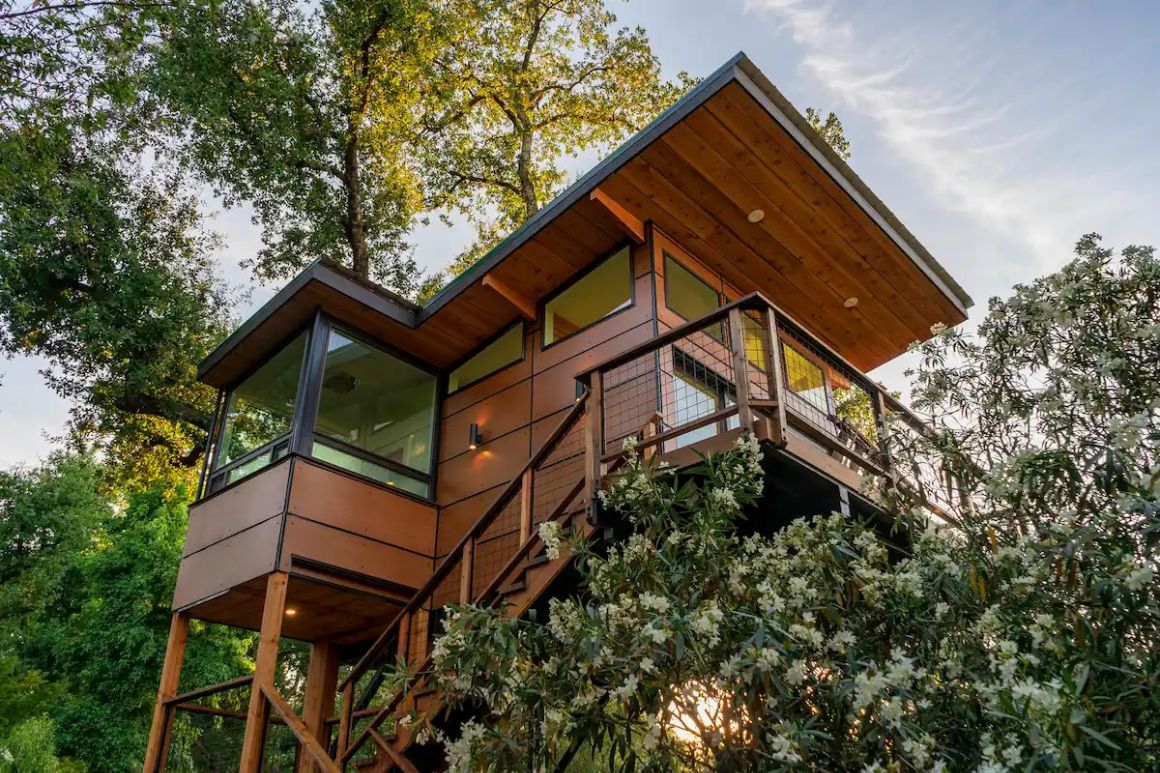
501, 352
686, 293
601, 292
259, 413
376, 414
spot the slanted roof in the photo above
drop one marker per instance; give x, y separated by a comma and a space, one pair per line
732, 145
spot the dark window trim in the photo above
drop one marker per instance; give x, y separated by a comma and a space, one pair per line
367, 456
329, 323
479, 349
305, 327
542, 306
210, 444
224, 472
666, 256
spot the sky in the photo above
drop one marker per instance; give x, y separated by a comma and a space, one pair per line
998, 132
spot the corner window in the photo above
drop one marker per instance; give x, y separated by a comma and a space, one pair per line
601, 292
500, 353
686, 293
259, 413
376, 414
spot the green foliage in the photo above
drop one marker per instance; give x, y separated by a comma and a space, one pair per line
110, 278
1019, 630
84, 611
30, 747
831, 131
527, 84
275, 103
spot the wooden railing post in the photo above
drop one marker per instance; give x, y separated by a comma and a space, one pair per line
884, 436
466, 571
593, 442
740, 369
776, 381
526, 504
318, 701
158, 745
265, 665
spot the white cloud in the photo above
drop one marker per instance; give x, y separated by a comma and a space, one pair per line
937, 108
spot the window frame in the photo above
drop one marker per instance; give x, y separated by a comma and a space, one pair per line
301, 436
542, 306
666, 256
308, 435
519, 322
213, 472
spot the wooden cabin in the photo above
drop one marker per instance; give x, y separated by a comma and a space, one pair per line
373, 460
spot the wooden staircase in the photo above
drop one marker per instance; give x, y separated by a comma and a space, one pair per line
500, 561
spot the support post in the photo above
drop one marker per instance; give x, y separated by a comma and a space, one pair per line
593, 442
345, 715
776, 381
526, 505
158, 746
883, 436
466, 571
265, 665
740, 370
318, 701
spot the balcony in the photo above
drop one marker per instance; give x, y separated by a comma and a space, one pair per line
696, 387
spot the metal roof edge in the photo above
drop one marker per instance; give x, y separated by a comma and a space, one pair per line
584, 185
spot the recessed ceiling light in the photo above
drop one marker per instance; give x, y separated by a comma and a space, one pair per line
291, 611
756, 216
850, 302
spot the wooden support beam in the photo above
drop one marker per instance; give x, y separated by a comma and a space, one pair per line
466, 571
265, 665
158, 745
593, 442
526, 504
310, 744
777, 416
524, 305
629, 223
740, 369
318, 701
345, 715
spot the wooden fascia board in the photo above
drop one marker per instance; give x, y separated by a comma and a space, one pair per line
629, 223
523, 304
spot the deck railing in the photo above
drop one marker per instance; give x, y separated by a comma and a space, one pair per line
719, 375
550, 487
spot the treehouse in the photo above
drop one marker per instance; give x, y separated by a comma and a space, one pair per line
374, 460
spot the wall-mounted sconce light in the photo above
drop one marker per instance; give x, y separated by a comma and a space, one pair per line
291, 611
473, 440
580, 390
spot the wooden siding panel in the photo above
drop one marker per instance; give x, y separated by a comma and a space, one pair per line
455, 520
494, 462
331, 498
316, 542
232, 561
497, 415
251, 501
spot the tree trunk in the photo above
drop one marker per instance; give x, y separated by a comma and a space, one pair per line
355, 227
524, 169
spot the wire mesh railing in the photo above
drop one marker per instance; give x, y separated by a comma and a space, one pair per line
549, 487
693, 378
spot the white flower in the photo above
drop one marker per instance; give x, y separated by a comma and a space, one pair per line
655, 602
782, 749
796, 673
552, 536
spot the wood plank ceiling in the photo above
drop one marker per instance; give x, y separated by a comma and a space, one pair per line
814, 249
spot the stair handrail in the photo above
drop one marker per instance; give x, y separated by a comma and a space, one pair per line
480, 525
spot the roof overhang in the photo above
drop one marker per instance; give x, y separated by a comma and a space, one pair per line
731, 145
